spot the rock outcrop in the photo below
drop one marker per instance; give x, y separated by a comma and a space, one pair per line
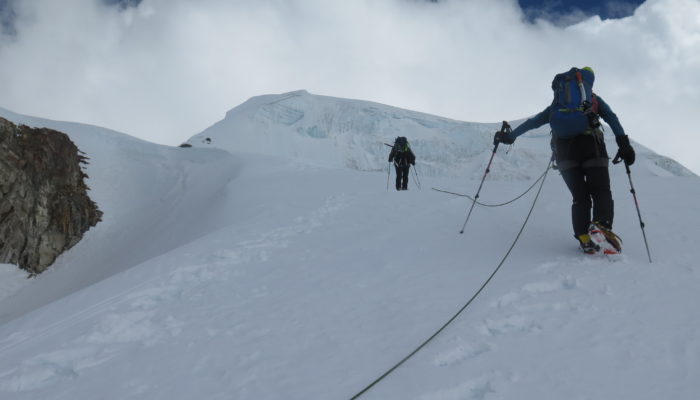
44, 205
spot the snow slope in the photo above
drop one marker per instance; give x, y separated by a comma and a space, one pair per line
250, 274
154, 198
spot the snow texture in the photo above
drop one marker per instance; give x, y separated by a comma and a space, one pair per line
272, 263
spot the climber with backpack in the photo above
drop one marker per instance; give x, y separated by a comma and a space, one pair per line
403, 158
581, 156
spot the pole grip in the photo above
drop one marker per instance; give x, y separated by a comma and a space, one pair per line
505, 128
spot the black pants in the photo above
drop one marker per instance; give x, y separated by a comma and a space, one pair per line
402, 176
583, 163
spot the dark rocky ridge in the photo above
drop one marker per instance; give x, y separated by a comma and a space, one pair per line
44, 205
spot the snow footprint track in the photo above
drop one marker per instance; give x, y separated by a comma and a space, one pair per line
515, 311
472, 389
258, 248
142, 316
508, 323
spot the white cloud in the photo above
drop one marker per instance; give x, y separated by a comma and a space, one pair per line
170, 68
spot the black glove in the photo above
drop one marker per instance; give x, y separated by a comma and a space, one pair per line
502, 137
625, 150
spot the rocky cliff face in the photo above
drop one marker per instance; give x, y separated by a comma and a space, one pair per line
44, 206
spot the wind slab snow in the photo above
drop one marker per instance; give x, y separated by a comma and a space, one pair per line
272, 263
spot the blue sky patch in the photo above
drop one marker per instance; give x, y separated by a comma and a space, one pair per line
564, 12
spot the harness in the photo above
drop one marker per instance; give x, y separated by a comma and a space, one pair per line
401, 157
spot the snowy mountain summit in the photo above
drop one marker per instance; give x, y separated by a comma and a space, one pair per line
338, 132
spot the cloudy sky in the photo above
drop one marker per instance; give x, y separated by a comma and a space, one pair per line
163, 70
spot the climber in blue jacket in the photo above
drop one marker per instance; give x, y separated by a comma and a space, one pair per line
580, 153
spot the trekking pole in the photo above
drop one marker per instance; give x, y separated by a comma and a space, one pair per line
388, 176
504, 128
388, 170
636, 203
415, 175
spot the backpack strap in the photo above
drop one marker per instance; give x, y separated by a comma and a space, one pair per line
591, 112
567, 80
579, 79
595, 105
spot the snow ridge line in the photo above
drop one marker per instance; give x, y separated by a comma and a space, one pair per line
478, 292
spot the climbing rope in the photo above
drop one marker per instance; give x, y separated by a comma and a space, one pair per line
501, 204
500, 264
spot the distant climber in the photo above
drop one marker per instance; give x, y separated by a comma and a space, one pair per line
403, 158
581, 156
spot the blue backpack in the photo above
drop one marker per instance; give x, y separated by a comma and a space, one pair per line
573, 102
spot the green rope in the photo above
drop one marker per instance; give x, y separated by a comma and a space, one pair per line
517, 237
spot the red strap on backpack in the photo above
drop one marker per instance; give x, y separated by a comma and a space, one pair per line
579, 78
595, 106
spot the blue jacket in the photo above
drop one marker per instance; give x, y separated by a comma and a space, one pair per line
604, 110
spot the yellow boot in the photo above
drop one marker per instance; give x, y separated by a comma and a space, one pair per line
587, 245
